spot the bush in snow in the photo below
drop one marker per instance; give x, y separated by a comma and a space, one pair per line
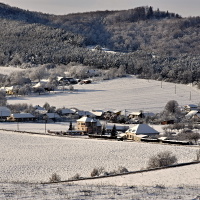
162, 159
54, 178
97, 172
75, 177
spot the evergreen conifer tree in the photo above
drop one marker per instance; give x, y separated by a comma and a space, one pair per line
114, 131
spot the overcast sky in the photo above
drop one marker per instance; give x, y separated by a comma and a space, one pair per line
183, 7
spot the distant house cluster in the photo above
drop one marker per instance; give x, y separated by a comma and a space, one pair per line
97, 122
42, 86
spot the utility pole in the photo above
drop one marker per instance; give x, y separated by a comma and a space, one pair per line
175, 89
45, 123
17, 125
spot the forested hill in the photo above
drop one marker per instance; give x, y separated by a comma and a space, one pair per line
152, 42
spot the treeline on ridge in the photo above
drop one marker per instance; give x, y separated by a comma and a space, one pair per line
152, 44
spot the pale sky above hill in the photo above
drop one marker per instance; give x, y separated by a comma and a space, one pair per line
184, 8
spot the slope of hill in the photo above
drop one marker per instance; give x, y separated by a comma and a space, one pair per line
158, 42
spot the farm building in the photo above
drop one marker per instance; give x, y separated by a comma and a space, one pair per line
21, 117
140, 131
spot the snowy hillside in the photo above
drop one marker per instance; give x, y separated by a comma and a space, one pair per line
127, 93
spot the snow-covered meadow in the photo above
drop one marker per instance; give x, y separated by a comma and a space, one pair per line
127, 93
35, 158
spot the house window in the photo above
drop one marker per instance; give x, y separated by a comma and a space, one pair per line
82, 123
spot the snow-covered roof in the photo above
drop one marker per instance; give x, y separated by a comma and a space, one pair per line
40, 84
85, 119
8, 88
142, 129
97, 113
97, 110
119, 127
67, 111
22, 115
142, 136
135, 113
85, 113
162, 138
52, 115
40, 109
191, 113
4, 111
88, 119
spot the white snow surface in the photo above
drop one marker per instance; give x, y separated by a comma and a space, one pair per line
127, 93
171, 177
34, 158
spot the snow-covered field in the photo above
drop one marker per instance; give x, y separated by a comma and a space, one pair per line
66, 191
127, 93
34, 158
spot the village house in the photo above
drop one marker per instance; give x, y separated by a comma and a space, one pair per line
88, 125
82, 113
9, 90
66, 80
136, 115
21, 117
68, 111
40, 110
98, 113
140, 131
140, 114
